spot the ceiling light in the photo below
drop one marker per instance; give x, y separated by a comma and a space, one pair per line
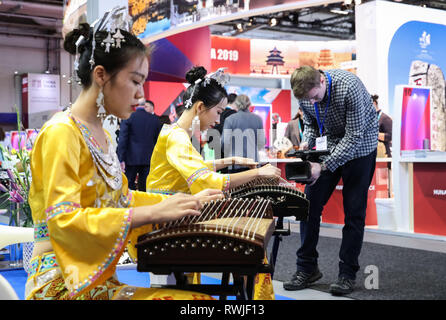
273, 22
338, 11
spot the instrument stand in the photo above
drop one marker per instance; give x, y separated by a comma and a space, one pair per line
243, 279
279, 232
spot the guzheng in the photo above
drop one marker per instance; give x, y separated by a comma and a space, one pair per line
227, 232
285, 199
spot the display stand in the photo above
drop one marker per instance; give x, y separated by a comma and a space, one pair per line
419, 174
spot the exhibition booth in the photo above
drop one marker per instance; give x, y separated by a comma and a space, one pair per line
399, 54
407, 191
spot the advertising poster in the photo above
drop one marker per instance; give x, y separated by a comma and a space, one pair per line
153, 18
168, 95
231, 53
415, 120
18, 140
417, 57
40, 98
264, 112
429, 189
279, 57
270, 58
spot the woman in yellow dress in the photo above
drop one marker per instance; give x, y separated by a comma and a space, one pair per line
84, 215
176, 165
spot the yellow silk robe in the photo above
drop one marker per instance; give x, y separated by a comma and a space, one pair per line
176, 166
83, 224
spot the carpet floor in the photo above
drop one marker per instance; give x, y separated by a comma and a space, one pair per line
398, 273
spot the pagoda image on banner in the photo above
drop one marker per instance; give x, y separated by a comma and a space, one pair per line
326, 60
275, 59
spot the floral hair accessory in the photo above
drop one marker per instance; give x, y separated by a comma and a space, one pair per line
220, 76
113, 22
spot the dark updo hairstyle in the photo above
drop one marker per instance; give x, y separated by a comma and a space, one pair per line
231, 97
112, 61
211, 94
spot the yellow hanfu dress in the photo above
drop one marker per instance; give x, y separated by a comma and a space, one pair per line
82, 210
176, 166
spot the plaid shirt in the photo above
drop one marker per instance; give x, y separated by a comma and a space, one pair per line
351, 122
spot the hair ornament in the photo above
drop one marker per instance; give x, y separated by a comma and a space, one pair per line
113, 21
76, 60
188, 103
220, 76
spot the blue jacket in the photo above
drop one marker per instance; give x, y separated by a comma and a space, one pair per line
137, 138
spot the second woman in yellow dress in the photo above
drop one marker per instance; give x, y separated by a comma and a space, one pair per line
176, 165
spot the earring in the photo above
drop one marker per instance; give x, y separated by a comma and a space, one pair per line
195, 127
100, 105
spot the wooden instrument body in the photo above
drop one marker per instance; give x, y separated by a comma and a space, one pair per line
285, 200
228, 232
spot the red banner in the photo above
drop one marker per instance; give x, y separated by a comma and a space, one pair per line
379, 188
232, 53
429, 198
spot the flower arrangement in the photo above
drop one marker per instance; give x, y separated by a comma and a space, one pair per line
15, 196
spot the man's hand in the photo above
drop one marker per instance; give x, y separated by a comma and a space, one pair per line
315, 172
303, 146
123, 166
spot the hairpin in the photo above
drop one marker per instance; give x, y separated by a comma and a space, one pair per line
113, 22
220, 76
188, 103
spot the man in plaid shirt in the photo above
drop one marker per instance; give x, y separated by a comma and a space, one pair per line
339, 116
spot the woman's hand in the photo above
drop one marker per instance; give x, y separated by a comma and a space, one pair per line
246, 162
172, 208
269, 170
208, 195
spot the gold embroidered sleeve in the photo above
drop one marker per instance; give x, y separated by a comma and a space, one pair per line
87, 241
182, 155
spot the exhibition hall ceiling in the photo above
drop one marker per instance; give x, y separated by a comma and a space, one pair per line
43, 19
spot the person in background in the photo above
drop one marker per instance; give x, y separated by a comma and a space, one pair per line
295, 128
243, 133
339, 117
2, 136
84, 215
164, 119
137, 138
230, 109
385, 130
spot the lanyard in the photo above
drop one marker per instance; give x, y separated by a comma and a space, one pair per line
300, 129
379, 114
316, 107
